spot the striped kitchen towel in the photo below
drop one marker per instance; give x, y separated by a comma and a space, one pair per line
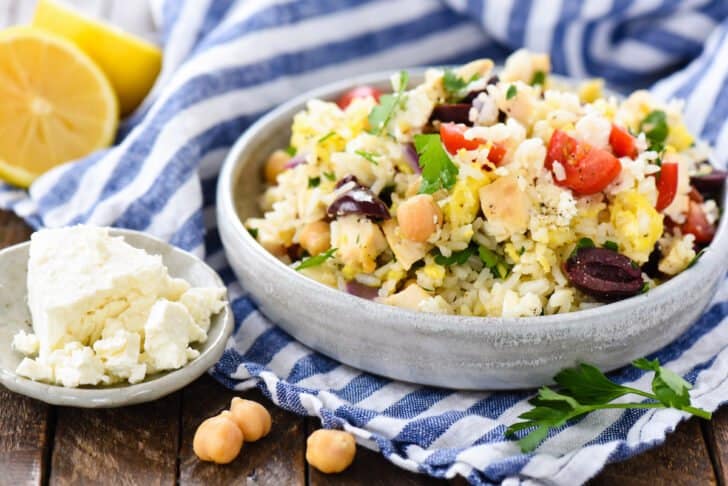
228, 62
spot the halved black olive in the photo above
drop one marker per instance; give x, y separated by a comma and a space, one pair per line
359, 200
453, 112
710, 183
604, 274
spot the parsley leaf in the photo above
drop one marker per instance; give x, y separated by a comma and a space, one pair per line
316, 260
253, 232
326, 137
494, 262
539, 78
368, 155
381, 114
582, 243
696, 258
455, 86
291, 150
330, 176
656, 129
313, 182
585, 388
611, 245
457, 257
438, 171
512, 92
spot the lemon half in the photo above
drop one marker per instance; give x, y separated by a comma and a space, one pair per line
56, 105
130, 63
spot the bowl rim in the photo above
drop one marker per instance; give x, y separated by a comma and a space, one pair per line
227, 214
123, 393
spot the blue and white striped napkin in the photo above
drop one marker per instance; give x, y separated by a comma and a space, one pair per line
227, 62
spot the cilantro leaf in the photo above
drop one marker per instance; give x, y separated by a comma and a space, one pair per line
582, 243
438, 171
585, 388
381, 114
313, 182
457, 257
494, 262
696, 258
326, 137
455, 86
512, 92
368, 155
330, 176
656, 129
611, 245
316, 260
539, 78
253, 232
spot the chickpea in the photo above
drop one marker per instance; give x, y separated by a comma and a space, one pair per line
251, 417
218, 439
419, 217
330, 451
275, 164
316, 237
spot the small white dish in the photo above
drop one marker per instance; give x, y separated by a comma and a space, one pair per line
15, 316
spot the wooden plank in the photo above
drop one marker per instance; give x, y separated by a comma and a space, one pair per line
274, 460
25, 424
716, 437
682, 460
121, 446
368, 469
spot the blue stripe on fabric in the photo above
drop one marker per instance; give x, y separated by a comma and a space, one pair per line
519, 15
718, 115
207, 86
413, 404
242, 308
68, 183
191, 234
209, 191
212, 241
670, 43
215, 13
171, 12
361, 387
693, 81
267, 345
569, 11
310, 365
358, 417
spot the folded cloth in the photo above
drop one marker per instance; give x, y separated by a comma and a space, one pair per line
226, 63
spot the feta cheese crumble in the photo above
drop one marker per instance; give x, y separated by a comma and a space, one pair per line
104, 311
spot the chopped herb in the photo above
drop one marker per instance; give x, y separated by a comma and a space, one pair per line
291, 150
382, 113
313, 182
495, 262
696, 258
521, 251
368, 155
539, 78
438, 171
611, 245
645, 288
253, 232
457, 257
512, 91
585, 388
316, 260
455, 86
330, 176
656, 129
326, 137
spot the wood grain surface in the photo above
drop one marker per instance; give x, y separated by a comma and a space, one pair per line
151, 444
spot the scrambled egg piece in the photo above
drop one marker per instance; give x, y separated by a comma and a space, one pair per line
637, 224
591, 90
679, 137
463, 204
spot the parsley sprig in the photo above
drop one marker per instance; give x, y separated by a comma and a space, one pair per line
584, 389
456, 87
438, 171
315, 260
656, 129
381, 114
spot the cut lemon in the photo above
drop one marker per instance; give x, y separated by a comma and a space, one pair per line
130, 63
56, 105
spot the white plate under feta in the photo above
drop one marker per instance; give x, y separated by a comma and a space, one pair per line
100, 310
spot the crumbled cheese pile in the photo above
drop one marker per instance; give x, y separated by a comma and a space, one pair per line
104, 311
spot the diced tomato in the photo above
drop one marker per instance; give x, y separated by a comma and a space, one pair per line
453, 137
666, 185
697, 224
622, 142
357, 92
588, 170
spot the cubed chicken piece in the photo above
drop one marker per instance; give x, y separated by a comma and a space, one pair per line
406, 252
506, 205
522, 65
480, 68
359, 241
409, 298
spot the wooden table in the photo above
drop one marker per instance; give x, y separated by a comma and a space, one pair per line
151, 444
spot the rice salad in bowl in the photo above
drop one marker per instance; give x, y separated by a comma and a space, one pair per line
478, 193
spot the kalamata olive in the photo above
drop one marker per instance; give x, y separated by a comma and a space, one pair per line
452, 112
359, 200
604, 274
474, 94
650, 266
709, 183
360, 290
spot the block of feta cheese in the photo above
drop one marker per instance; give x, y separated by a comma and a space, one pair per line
104, 311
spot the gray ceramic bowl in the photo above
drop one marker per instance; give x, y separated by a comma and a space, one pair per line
15, 316
442, 350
